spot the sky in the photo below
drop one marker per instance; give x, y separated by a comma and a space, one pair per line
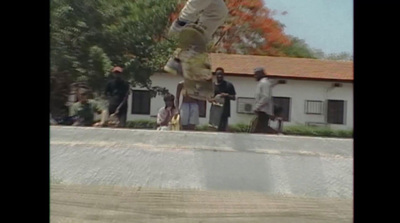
323, 24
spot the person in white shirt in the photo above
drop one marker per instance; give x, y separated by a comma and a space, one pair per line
264, 105
167, 113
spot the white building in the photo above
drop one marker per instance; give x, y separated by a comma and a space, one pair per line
317, 92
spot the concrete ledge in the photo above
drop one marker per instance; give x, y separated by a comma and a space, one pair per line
277, 165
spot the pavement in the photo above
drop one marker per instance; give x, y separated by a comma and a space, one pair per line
125, 175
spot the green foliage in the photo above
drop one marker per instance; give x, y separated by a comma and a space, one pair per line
243, 128
340, 56
89, 37
204, 128
239, 128
141, 124
298, 48
316, 131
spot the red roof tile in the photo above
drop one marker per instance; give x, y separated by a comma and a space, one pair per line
243, 65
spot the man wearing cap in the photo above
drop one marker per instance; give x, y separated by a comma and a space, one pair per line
117, 92
84, 109
263, 107
225, 91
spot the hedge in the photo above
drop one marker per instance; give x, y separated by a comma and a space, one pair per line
302, 130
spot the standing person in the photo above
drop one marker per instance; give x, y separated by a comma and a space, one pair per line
84, 109
167, 113
117, 92
189, 109
208, 14
226, 91
264, 106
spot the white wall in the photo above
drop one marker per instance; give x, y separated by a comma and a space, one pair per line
297, 90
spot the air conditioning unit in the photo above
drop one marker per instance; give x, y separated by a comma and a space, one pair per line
248, 107
245, 105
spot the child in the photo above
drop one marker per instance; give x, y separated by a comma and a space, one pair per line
167, 113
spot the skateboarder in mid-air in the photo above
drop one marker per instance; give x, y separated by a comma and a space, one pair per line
193, 28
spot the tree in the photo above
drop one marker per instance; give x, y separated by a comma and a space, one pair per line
298, 48
250, 29
89, 37
340, 56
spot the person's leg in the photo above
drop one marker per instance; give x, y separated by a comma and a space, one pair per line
213, 17
264, 122
223, 123
122, 118
194, 115
210, 15
190, 13
192, 9
260, 123
111, 109
184, 113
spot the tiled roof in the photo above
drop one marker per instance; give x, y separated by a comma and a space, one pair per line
302, 68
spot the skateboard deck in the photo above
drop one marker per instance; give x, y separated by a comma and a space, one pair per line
196, 68
198, 89
216, 112
215, 115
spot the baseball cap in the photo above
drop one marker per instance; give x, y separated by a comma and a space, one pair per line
117, 70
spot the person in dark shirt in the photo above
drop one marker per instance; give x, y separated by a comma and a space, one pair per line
226, 91
117, 92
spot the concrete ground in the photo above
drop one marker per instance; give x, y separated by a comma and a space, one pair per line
90, 204
122, 175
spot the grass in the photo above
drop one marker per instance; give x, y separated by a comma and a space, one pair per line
302, 130
316, 131
141, 124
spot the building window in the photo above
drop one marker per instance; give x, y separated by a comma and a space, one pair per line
335, 111
282, 108
202, 109
314, 107
141, 102
245, 105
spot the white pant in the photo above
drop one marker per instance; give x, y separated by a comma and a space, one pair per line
189, 113
210, 13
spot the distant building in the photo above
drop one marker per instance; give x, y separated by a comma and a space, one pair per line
317, 92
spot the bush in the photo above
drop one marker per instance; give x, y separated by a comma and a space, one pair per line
316, 131
302, 130
204, 128
239, 128
141, 124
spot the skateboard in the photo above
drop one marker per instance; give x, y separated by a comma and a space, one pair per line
216, 112
195, 62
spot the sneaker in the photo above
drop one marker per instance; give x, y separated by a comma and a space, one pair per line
177, 27
174, 65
